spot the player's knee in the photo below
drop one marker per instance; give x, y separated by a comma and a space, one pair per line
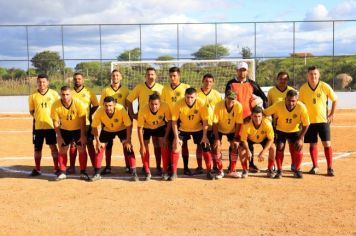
38, 148
205, 147
129, 151
280, 146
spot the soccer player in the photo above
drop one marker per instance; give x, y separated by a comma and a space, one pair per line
227, 121
69, 120
171, 93
154, 120
142, 92
193, 116
119, 92
88, 98
258, 130
211, 97
112, 117
40, 103
315, 94
245, 88
278, 93
290, 115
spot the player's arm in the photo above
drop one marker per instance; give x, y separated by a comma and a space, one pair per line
244, 146
300, 140
130, 109
265, 149
205, 132
142, 142
56, 125
95, 131
332, 111
83, 138
128, 143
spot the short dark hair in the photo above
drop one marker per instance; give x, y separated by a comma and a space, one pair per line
114, 70
292, 93
190, 91
149, 69
208, 75
257, 109
42, 76
281, 73
310, 68
109, 99
78, 73
174, 69
154, 96
65, 88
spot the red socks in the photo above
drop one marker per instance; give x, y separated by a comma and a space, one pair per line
270, 164
165, 152
146, 161
91, 152
234, 156
62, 160
218, 160
329, 156
83, 159
199, 155
72, 155
98, 158
313, 149
298, 159
174, 160
279, 159
208, 159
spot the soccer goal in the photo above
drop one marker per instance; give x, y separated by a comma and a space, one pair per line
192, 71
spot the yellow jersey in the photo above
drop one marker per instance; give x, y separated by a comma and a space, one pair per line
171, 96
275, 95
148, 119
69, 117
111, 124
210, 99
119, 95
316, 101
257, 134
227, 120
288, 121
40, 105
191, 118
88, 99
142, 92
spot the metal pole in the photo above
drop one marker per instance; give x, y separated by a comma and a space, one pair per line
178, 42
333, 61
216, 41
140, 42
28, 61
101, 57
293, 55
62, 36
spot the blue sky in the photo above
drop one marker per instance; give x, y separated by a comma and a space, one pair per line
272, 39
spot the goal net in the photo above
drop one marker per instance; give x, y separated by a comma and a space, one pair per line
192, 71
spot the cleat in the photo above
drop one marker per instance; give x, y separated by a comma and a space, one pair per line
57, 172
95, 177
35, 173
158, 171
84, 176
70, 170
198, 171
314, 171
330, 172
271, 174
173, 177
292, 167
234, 174
220, 175
106, 171
187, 172
60, 177
165, 177
134, 177
210, 176
127, 170
253, 168
148, 176
244, 174
298, 174
278, 175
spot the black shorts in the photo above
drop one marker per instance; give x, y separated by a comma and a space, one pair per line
89, 135
39, 135
106, 136
230, 136
323, 129
70, 136
281, 137
251, 143
158, 132
197, 136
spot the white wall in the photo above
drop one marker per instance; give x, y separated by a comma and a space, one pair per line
19, 104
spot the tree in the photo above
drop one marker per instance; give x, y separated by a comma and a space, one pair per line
47, 62
165, 58
91, 68
130, 55
211, 51
246, 53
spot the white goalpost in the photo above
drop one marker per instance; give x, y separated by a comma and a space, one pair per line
192, 71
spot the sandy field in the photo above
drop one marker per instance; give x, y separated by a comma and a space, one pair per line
314, 205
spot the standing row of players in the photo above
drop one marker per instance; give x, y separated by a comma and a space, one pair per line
174, 113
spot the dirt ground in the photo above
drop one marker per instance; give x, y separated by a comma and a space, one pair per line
314, 205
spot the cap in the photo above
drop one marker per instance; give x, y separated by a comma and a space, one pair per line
241, 65
230, 94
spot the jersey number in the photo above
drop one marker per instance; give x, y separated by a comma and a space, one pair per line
314, 100
69, 117
289, 121
44, 104
190, 117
